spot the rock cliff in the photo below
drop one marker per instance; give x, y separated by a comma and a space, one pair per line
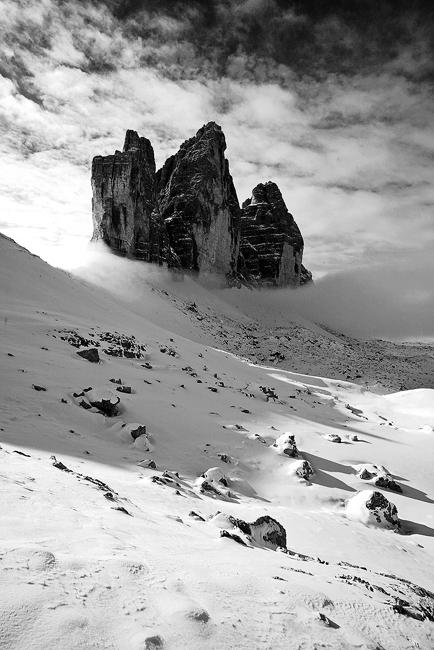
124, 204
187, 214
199, 204
271, 248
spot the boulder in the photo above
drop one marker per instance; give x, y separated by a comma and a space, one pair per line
104, 401
372, 509
265, 531
91, 355
378, 475
285, 444
303, 469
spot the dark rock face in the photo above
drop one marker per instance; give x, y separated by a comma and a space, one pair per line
199, 204
91, 355
381, 508
124, 200
187, 214
271, 247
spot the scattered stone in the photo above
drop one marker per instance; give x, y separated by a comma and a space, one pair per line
285, 444
122, 509
236, 427
148, 463
153, 643
324, 619
233, 536
364, 474
91, 355
124, 389
303, 469
139, 431
95, 481
379, 476
270, 393
333, 437
170, 351
117, 381
215, 475
64, 401
59, 464
36, 387
194, 515
106, 402
387, 482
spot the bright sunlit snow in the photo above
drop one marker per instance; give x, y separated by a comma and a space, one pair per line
164, 493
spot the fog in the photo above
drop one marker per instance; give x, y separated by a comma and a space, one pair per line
120, 276
391, 301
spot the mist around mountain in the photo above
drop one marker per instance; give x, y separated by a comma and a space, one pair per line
190, 467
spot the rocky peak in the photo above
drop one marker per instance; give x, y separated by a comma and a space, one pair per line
133, 142
187, 214
199, 204
271, 247
124, 200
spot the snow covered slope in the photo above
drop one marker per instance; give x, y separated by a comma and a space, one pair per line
143, 496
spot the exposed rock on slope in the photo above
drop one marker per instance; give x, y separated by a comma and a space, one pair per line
187, 214
199, 204
124, 200
271, 247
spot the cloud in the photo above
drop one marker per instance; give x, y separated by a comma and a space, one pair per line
330, 100
393, 300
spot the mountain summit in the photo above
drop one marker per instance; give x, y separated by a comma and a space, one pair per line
187, 214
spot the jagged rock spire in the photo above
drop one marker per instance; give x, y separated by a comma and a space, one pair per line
187, 214
125, 199
199, 204
271, 247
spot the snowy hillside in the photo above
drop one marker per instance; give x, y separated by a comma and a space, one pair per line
167, 494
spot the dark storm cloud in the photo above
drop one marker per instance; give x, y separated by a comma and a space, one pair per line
311, 38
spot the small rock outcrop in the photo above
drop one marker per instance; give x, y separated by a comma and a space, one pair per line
265, 531
303, 469
91, 355
187, 215
286, 444
271, 247
373, 509
124, 204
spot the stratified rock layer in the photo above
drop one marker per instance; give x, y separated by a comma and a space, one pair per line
125, 201
271, 247
199, 204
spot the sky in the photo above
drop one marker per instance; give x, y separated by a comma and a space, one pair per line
332, 100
